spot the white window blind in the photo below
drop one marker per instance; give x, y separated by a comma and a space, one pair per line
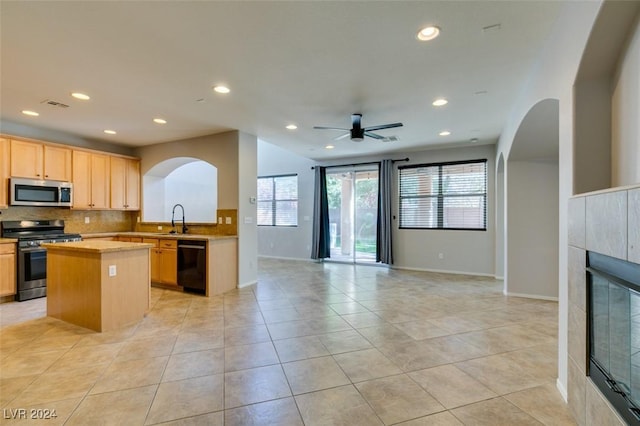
278, 200
444, 195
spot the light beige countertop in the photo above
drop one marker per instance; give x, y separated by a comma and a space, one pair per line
96, 246
161, 235
8, 240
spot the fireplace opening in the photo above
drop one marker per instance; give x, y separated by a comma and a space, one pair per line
613, 332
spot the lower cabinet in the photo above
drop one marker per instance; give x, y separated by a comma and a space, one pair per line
164, 261
8, 268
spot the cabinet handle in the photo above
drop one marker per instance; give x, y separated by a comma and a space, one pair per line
46, 176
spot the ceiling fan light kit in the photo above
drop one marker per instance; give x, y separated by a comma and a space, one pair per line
357, 132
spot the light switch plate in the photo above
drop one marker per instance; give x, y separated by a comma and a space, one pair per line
220, 220
112, 270
228, 220
87, 219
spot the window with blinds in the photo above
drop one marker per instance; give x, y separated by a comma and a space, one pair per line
278, 200
444, 195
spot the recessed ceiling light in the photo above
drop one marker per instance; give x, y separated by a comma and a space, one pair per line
444, 133
110, 132
80, 96
428, 33
221, 89
160, 121
440, 102
292, 127
31, 113
329, 147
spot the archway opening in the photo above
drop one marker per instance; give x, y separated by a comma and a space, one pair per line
500, 222
188, 181
532, 197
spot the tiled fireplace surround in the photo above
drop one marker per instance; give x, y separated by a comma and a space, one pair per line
607, 222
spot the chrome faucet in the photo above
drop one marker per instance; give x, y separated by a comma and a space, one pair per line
173, 222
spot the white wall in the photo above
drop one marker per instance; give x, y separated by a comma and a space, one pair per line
471, 252
287, 242
625, 113
532, 200
247, 211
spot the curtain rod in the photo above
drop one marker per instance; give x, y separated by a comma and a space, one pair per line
360, 164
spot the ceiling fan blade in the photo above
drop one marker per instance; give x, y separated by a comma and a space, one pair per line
342, 136
330, 128
383, 126
373, 135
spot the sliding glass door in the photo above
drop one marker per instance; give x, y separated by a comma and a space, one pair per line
353, 213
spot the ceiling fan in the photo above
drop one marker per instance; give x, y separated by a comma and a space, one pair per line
357, 132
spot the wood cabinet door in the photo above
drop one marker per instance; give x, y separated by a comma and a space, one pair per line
169, 266
118, 186
81, 178
133, 185
57, 163
26, 159
100, 181
8, 268
155, 259
4, 172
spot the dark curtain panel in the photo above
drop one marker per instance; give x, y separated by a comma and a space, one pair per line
384, 253
321, 238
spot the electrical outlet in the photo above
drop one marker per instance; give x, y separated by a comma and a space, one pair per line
112, 270
159, 227
87, 219
220, 220
440, 255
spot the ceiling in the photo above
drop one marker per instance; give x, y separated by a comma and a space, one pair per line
303, 63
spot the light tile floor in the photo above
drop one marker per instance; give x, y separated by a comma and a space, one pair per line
310, 344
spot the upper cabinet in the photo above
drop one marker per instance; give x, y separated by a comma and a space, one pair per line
90, 180
125, 183
101, 181
4, 173
40, 161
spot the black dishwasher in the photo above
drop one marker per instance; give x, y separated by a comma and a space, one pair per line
192, 265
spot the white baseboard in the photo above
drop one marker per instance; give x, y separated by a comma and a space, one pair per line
531, 296
562, 390
442, 271
247, 284
499, 277
286, 258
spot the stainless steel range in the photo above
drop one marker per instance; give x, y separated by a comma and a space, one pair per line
32, 259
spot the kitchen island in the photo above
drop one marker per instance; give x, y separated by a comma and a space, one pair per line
221, 256
100, 285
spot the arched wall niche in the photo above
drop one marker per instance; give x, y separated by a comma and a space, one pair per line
188, 181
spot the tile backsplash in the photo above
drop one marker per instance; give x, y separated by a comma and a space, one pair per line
115, 220
74, 220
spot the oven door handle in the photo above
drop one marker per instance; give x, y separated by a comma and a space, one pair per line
31, 249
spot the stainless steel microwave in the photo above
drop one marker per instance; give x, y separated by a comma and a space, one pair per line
41, 193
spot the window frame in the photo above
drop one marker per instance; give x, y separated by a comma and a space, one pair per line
440, 197
274, 200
